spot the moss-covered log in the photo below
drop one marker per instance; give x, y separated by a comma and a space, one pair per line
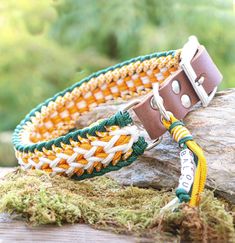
104, 204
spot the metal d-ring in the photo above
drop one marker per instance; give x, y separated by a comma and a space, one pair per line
158, 102
130, 105
154, 143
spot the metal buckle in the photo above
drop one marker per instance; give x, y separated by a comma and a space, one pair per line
188, 52
128, 107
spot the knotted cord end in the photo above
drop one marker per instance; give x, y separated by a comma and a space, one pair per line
182, 135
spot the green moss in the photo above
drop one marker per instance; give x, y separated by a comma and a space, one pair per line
105, 204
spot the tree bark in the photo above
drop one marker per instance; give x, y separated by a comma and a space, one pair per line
213, 128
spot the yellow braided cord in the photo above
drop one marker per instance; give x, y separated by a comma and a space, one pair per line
200, 175
178, 133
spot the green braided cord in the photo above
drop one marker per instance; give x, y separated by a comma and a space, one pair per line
138, 149
184, 140
183, 146
195, 159
182, 195
175, 124
119, 119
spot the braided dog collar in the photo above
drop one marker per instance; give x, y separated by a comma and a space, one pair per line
47, 139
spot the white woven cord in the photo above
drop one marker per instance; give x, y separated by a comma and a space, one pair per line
108, 148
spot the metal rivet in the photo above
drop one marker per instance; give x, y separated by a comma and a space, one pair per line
175, 86
185, 100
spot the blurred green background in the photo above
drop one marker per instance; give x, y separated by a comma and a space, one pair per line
45, 46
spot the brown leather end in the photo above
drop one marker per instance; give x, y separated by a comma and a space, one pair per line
151, 118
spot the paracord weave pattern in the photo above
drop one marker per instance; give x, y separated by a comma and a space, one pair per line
46, 138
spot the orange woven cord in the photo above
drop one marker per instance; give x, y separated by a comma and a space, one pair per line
47, 139
126, 82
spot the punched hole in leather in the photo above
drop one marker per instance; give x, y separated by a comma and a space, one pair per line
151, 118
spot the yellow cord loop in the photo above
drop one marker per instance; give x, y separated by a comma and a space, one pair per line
181, 135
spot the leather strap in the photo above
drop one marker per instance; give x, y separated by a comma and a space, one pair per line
151, 118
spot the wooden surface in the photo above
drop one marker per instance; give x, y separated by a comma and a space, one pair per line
18, 231
12, 230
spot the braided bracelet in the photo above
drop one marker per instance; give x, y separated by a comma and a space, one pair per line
47, 139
